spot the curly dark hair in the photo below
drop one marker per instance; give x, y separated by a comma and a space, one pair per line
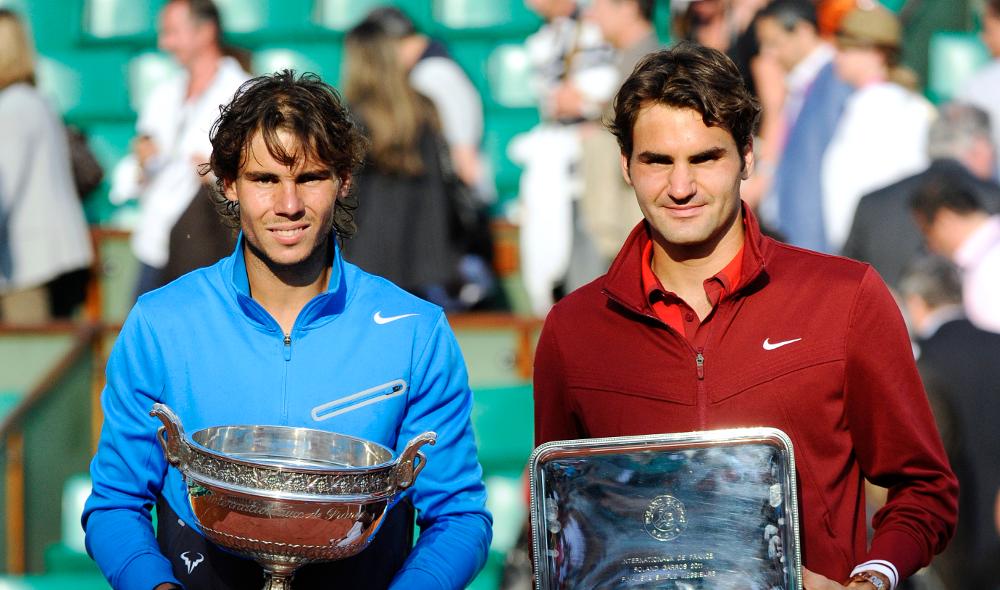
688, 76
305, 106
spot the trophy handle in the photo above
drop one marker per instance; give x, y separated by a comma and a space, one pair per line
412, 461
174, 446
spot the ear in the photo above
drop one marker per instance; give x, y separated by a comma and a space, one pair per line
625, 171
229, 190
345, 187
748, 162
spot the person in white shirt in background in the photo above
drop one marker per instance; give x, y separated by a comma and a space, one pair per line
43, 232
172, 131
574, 76
983, 89
957, 226
882, 134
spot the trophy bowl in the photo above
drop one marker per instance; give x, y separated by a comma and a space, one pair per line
286, 496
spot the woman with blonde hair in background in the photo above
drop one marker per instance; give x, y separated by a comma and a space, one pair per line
45, 248
404, 231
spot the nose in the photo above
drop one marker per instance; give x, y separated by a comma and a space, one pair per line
287, 202
681, 182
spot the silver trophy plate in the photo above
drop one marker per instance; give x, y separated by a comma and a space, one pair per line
691, 511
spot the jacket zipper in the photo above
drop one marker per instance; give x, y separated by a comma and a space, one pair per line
352, 402
287, 350
699, 360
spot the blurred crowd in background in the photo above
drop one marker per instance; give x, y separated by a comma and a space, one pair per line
856, 156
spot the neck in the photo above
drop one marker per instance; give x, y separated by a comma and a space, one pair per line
284, 290
202, 71
873, 76
684, 270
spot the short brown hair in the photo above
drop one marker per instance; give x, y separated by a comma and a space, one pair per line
306, 107
688, 76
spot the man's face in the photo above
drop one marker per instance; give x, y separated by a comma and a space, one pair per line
686, 176
991, 31
286, 213
858, 65
182, 36
781, 44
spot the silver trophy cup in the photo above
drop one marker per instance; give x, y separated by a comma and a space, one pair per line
286, 496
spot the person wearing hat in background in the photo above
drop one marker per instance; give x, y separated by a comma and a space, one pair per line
882, 134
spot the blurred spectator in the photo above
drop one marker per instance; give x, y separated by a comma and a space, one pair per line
962, 153
45, 248
574, 77
815, 99
172, 140
958, 364
883, 130
403, 210
983, 89
436, 75
957, 226
608, 209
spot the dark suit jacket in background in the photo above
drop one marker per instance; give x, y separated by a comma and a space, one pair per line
960, 366
884, 232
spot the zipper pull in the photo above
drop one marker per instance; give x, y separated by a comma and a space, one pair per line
699, 360
288, 347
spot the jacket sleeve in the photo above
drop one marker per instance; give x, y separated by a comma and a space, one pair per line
894, 435
129, 467
449, 495
554, 416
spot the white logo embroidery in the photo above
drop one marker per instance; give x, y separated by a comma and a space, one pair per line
383, 320
769, 346
192, 564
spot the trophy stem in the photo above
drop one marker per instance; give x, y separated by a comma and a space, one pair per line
275, 581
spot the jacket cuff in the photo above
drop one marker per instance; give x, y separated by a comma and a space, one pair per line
144, 572
412, 577
900, 550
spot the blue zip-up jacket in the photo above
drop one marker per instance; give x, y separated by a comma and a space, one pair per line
365, 358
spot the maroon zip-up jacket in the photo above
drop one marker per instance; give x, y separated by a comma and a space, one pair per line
843, 386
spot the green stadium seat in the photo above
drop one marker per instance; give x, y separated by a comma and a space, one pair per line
954, 57
341, 15
120, 19
502, 419
85, 86
507, 18
319, 58
145, 71
465, 14
243, 16
509, 75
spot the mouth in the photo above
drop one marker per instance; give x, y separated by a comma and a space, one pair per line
685, 210
288, 235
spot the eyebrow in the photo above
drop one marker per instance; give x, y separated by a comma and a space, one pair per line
305, 176
714, 153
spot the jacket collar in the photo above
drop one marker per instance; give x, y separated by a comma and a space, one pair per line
324, 306
623, 281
